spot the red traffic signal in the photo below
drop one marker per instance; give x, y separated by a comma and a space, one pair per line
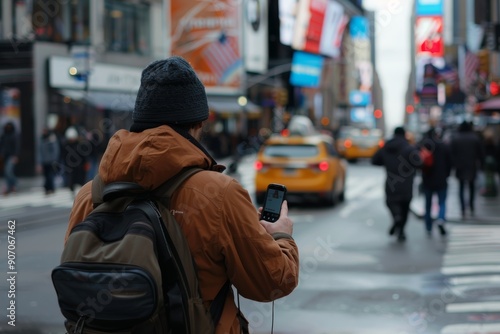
494, 88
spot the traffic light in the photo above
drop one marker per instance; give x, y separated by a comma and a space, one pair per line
377, 113
484, 61
494, 88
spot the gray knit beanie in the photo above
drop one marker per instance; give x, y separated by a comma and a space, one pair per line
170, 93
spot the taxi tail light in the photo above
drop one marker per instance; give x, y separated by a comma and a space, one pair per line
322, 166
259, 165
380, 143
347, 143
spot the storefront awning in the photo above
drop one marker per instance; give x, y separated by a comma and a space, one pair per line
106, 100
229, 105
492, 104
125, 102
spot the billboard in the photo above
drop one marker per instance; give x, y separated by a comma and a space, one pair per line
429, 7
306, 69
207, 35
429, 36
359, 30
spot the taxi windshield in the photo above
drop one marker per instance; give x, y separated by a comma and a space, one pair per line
291, 151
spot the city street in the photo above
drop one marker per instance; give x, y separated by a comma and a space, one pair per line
354, 277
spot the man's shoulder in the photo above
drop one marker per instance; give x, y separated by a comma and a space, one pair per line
208, 178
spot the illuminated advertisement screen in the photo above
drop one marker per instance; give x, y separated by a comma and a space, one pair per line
207, 34
429, 7
306, 69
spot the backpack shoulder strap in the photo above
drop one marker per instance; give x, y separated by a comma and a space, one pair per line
116, 196
166, 190
164, 193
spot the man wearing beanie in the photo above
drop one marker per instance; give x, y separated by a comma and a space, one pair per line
401, 161
227, 239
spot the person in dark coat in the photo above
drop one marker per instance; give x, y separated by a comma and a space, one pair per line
74, 159
49, 155
468, 155
401, 161
435, 179
9, 154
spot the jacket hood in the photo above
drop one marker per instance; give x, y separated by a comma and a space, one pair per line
150, 157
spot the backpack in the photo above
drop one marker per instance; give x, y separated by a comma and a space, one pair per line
427, 158
127, 267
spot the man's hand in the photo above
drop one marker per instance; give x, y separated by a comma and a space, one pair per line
283, 224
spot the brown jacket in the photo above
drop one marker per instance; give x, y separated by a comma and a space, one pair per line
215, 212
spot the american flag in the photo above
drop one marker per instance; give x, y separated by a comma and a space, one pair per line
470, 65
221, 55
449, 75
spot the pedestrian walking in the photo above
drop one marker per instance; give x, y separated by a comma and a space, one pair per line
226, 237
468, 157
435, 179
401, 161
9, 154
74, 158
49, 154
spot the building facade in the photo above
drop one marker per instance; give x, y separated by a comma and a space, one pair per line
79, 63
41, 40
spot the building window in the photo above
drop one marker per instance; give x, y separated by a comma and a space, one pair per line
62, 21
127, 27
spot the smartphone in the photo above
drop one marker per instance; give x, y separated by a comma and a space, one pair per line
275, 195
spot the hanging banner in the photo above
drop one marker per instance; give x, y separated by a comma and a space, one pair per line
255, 29
287, 11
319, 27
429, 36
207, 35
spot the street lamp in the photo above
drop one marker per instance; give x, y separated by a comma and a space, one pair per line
242, 102
83, 59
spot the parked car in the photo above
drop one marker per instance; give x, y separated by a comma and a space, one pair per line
355, 143
309, 166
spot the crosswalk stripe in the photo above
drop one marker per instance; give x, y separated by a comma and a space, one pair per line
472, 329
471, 262
473, 307
468, 280
475, 258
461, 270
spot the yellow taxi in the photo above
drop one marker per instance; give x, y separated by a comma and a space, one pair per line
358, 143
308, 165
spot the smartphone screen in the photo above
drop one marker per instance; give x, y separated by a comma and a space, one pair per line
275, 195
